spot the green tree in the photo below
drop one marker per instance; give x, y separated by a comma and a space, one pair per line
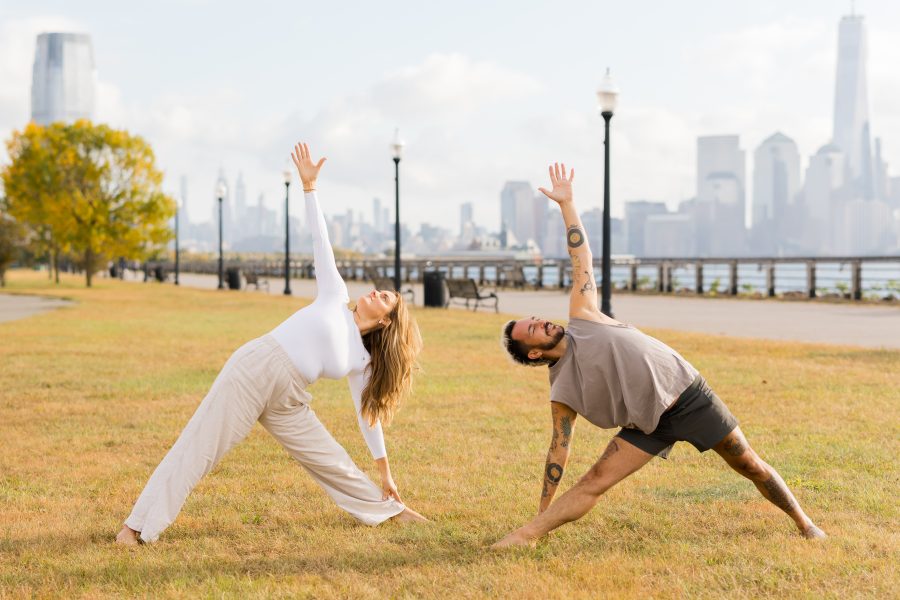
88, 190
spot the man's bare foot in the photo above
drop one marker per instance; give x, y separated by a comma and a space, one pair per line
514, 539
128, 537
409, 516
813, 533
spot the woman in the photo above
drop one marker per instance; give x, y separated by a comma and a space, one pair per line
375, 345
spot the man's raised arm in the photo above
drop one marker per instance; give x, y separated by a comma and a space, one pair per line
583, 301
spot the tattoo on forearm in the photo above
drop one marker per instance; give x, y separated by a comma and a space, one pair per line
575, 236
546, 491
566, 424
611, 449
554, 473
735, 447
779, 494
588, 286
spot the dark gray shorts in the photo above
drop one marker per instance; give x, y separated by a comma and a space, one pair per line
698, 417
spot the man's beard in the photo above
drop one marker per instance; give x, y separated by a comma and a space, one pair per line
557, 338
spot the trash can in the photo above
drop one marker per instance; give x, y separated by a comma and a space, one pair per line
233, 276
159, 273
435, 291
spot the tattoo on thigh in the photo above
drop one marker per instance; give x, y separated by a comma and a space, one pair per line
779, 494
611, 449
735, 446
575, 236
554, 473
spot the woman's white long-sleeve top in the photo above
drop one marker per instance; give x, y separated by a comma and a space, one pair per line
322, 339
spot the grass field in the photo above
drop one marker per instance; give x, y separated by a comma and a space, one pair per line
92, 396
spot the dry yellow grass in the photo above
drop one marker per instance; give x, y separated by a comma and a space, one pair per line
92, 396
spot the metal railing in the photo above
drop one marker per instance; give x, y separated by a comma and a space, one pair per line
849, 277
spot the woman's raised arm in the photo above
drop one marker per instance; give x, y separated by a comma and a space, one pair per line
328, 279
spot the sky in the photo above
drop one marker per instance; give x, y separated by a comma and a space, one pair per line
482, 92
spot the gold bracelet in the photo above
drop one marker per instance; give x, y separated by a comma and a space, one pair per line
306, 191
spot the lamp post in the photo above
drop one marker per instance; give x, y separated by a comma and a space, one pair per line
221, 190
177, 249
286, 174
607, 95
397, 152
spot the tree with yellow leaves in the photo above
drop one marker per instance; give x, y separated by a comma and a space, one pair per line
88, 190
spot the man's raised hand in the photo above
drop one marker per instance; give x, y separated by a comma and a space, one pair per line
308, 170
562, 185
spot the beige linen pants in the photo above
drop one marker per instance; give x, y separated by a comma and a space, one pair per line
258, 383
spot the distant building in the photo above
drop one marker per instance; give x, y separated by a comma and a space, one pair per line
776, 182
822, 195
851, 107
671, 235
555, 236
520, 211
720, 202
466, 218
64, 78
636, 213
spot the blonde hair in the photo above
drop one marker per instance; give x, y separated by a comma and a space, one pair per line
393, 352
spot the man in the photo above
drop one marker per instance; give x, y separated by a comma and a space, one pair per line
613, 375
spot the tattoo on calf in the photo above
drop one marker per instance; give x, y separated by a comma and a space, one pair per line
554, 473
566, 425
735, 447
779, 494
575, 237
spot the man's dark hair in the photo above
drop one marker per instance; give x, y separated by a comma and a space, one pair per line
517, 350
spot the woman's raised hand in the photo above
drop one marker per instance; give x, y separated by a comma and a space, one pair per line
308, 170
562, 185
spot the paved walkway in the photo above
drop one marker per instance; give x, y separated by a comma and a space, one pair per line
14, 307
821, 322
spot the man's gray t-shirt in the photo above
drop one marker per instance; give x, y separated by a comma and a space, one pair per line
617, 376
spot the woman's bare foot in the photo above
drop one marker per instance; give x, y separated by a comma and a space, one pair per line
813, 533
128, 537
409, 516
513, 540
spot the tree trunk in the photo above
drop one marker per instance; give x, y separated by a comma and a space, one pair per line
2, 277
89, 265
56, 262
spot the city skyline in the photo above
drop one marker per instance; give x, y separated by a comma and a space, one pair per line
419, 168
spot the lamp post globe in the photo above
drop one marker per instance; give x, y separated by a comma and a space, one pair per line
221, 191
286, 177
607, 97
397, 152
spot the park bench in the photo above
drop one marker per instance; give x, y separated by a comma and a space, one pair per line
386, 283
514, 276
254, 280
467, 289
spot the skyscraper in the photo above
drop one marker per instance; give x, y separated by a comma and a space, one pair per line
636, 213
466, 214
776, 181
64, 79
517, 211
851, 106
719, 209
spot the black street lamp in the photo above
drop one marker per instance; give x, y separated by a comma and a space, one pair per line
397, 151
221, 190
607, 95
177, 249
286, 174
